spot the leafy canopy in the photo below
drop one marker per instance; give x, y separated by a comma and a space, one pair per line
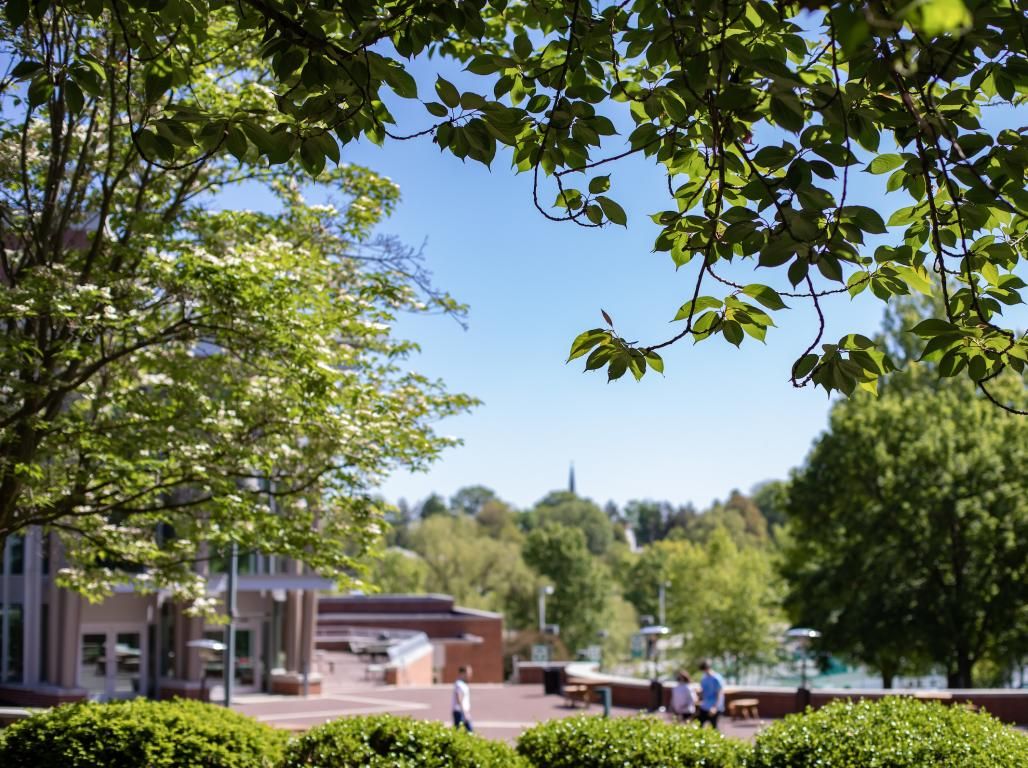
907, 530
760, 113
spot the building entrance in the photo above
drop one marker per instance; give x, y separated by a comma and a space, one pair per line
112, 662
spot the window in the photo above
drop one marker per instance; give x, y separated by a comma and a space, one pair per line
12, 643
16, 546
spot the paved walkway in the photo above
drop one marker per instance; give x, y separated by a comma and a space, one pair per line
498, 711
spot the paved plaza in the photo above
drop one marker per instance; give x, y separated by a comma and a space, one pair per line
498, 711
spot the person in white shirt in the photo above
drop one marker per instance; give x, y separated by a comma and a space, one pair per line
462, 699
683, 700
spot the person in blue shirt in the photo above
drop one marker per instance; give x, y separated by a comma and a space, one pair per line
712, 695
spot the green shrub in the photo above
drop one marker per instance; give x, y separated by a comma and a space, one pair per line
140, 734
636, 742
397, 742
894, 732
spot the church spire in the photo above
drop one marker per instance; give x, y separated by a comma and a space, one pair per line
571, 478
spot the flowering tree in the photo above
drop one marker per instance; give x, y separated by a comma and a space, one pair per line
175, 375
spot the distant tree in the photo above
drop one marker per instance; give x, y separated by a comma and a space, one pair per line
642, 578
908, 529
565, 508
739, 516
476, 570
648, 519
772, 498
724, 599
581, 584
400, 518
398, 571
499, 521
679, 521
433, 505
470, 499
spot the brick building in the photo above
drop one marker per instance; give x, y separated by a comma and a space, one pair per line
55, 646
459, 636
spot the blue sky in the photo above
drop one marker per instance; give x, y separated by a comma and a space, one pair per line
720, 418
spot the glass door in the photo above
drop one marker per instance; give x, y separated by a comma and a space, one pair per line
248, 667
112, 664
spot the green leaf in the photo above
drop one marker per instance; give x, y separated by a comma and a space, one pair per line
25, 69
701, 303
797, 272
599, 184
936, 17
866, 218
586, 341
599, 357
612, 211
804, 366
918, 279
885, 163
73, 97
236, 142
311, 157
655, 361
40, 89
933, 327
637, 365
618, 366
732, 332
765, 295
402, 83
448, 94
437, 109
778, 251
855, 341
16, 11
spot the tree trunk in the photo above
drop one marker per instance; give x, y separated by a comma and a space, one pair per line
887, 678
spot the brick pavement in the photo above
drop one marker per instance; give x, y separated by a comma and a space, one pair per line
498, 711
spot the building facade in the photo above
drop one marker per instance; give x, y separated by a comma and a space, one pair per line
55, 646
460, 636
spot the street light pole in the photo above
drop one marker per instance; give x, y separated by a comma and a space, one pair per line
229, 665
543, 592
803, 637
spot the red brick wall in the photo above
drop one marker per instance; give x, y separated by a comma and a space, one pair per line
417, 672
437, 618
38, 697
1008, 705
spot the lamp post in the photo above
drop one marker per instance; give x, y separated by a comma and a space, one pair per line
543, 592
662, 602
229, 665
653, 635
803, 637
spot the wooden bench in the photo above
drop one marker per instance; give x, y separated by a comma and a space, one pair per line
577, 692
743, 708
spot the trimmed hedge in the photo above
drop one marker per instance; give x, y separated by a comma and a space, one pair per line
138, 734
894, 732
379, 741
627, 742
